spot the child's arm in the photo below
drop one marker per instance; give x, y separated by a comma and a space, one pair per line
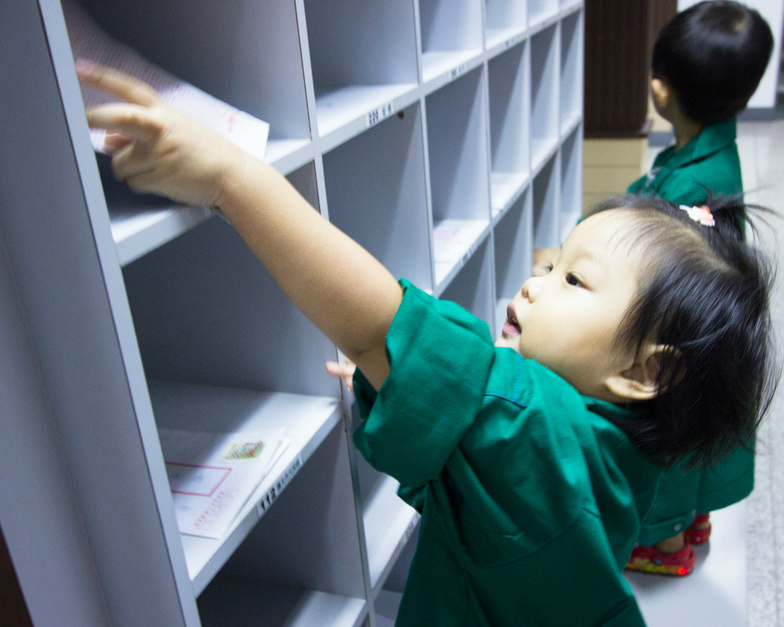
336, 283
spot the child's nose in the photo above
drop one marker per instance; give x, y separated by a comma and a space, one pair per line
530, 289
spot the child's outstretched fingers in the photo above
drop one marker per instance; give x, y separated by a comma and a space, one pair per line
344, 371
158, 149
115, 83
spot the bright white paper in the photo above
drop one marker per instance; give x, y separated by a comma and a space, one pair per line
212, 475
90, 42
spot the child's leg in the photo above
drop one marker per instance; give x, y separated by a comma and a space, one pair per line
699, 531
671, 545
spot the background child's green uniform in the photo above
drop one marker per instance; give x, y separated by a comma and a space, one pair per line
709, 160
531, 499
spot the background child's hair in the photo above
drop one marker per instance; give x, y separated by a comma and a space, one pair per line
713, 56
704, 292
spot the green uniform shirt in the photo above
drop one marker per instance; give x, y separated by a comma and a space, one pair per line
709, 160
531, 499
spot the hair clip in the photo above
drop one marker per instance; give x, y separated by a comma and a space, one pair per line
702, 214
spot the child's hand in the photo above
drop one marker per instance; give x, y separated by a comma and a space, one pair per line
157, 149
344, 371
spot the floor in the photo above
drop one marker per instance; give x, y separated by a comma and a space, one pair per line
739, 577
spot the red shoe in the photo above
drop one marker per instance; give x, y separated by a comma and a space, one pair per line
647, 559
698, 534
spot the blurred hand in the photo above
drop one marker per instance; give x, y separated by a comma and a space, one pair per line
157, 149
344, 371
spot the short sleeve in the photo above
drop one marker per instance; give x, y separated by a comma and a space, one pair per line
440, 358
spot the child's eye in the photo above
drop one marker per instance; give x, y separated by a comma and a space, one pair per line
542, 270
572, 280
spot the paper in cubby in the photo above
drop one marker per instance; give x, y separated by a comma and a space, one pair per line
212, 475
90, 42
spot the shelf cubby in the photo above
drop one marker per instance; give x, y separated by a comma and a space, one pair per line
142, 223
250, 58
505, 22
571, 92
509, 100
307, 421
375, 187
451, 38
513, 243
388, 521
364, 63
570, 5
472, 287
544, 96
302, 558
541, 11
571, 181
250, 335
545, 203
458, 166
234, 65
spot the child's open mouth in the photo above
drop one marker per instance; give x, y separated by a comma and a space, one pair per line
511, 326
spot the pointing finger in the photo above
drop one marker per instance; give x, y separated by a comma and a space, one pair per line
114, 83
132, 121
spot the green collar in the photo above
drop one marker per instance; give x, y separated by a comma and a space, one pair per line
710, 140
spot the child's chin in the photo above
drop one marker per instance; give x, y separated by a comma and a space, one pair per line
508, 342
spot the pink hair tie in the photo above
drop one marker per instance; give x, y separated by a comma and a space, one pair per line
702, 214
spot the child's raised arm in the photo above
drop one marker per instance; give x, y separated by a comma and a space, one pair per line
335, 282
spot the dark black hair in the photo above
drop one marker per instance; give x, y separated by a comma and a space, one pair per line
713, 56
705, 293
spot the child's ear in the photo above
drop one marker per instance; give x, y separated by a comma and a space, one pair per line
661, 92
639, 383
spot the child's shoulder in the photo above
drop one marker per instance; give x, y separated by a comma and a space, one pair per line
716, 174
688, 178
523, 381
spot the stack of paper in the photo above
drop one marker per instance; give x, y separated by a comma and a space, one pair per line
213, 475
90, 42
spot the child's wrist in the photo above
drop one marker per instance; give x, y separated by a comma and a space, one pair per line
229, 181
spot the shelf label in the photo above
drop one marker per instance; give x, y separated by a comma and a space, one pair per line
269, 498
458, 71
470, 252
513, 41
381, 113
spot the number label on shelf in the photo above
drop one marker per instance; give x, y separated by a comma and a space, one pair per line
458, 71
269, 498
469, 253
375, 116
513, 41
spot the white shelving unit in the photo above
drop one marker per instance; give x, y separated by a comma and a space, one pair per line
445, 137
545, 107
510, 105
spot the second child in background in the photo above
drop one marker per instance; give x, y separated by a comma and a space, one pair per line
707, 62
